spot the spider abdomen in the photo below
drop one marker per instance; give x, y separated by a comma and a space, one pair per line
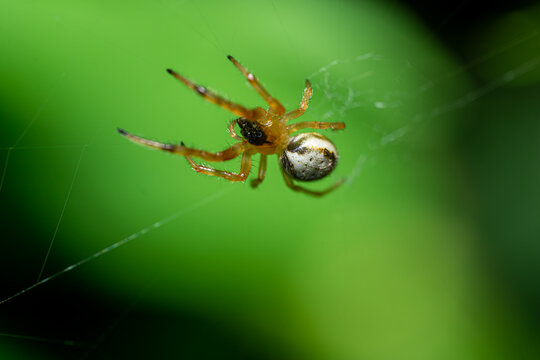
252, 132
309, 156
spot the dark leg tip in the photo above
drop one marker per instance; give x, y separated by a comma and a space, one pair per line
230, 57
170, 71
122, 131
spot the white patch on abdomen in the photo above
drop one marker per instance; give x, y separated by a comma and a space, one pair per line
309, 156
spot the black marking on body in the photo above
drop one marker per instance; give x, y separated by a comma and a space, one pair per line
319, 136
252, 131
287, 165
300, 150
295, 145
329, 155
318, 170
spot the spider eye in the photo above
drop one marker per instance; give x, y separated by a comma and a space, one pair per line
309, 156
252, 132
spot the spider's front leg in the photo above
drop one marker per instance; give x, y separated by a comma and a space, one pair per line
233, 133
291, 115
208, 95
275, 105
241, 176
181, 149
290, 183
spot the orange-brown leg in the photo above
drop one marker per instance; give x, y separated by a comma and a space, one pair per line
291, 115
315, 125
232, 131
224, 155
275, 105
262, 172
218, 100
241, 176
295, 187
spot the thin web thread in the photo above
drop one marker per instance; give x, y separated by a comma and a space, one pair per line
44, 147
216, 42
349, 104
28, 126
510, 45
5, 168
361, 161
460, 102
62, 212
122, 242
466, 99
45, 340
105, 334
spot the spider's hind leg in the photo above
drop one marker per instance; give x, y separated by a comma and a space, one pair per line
261, 174
315, 193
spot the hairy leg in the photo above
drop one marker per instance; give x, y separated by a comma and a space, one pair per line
298, 188
291, 115
181, 149
232, 131
315, 125
241, 176
261, 174
218, 100
275, 105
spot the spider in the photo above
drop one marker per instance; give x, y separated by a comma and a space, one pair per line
304, 157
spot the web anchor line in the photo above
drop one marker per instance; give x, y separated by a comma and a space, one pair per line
62, 213
122, 242
45, 340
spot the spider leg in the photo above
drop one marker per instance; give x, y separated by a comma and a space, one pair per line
315, 125
295, 187
262, 172
216, 99
231, 130
224, 155
291, 115
275, 105
241, 176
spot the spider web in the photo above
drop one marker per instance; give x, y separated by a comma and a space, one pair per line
337, 97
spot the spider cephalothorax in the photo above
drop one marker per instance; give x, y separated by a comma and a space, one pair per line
304, 157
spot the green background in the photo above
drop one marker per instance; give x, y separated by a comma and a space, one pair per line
429, 251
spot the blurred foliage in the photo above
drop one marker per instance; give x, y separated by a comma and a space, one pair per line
396, 264
509, 43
